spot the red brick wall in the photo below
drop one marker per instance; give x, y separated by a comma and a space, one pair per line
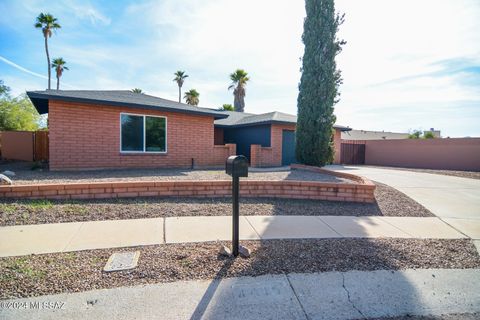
88, 136
289, 189
261, 156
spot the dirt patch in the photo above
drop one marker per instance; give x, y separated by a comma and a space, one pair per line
390, 202
80, 271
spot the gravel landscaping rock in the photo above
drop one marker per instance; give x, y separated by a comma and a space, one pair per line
24, 175
37, 275
390, 202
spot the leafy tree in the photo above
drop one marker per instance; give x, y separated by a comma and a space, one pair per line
428, 135
59, 65
180, 77
416, 134
239, 81
4, 90
48, 24
18, 114
137, 90
318, 90
226, 107
192, 97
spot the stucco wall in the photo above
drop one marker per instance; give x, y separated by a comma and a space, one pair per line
337, 144
88, 136
17, 145
452, 154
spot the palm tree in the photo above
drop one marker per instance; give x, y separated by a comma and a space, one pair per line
192, 97
180, 77
137, 90
59, 65
48, 24
239, 80
226, 107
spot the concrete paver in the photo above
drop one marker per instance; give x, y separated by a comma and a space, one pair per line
363, 227
329, 295
445, 196
199, 229
421, 292
61, 237
292, 227
424, 227
117, 233
470, 227
28, 239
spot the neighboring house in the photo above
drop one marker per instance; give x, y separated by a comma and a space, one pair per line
372, 135
436, 133
120, 129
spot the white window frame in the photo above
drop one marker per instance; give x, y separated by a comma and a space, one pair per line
144, 133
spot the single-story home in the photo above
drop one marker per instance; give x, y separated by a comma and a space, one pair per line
91, 129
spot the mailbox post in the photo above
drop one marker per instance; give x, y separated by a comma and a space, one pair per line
236, 166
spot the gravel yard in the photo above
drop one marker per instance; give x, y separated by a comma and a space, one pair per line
454, 173
80, 271
24, 175
390, 202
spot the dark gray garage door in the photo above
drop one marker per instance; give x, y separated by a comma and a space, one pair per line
288, 147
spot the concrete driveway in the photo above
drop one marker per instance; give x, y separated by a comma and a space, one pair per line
455, 200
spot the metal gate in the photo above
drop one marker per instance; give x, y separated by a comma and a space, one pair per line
352, 152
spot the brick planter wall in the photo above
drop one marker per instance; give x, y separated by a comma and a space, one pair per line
275, 189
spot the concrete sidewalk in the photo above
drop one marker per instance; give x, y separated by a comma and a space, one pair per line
64, 237
329, 295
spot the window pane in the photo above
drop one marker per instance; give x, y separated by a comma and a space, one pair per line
155, 134
132, 133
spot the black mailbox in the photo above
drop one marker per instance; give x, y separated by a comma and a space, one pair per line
237, 166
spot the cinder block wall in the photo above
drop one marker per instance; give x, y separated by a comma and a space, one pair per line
88, 137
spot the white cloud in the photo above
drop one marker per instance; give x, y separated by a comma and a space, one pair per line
398, 65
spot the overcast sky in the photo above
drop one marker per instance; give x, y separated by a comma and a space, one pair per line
408, 64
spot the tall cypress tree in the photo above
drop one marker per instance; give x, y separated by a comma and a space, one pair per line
319, 83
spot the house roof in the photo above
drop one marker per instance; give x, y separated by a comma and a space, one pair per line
124, 98
373, 135
240, 119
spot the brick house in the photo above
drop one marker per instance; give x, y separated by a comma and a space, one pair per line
121, 129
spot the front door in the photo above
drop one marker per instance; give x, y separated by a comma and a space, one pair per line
288, 147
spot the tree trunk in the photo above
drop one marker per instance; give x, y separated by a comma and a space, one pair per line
58, 82
48, 61
179, 94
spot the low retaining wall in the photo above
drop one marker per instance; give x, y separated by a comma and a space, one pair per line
274, 189
261, 156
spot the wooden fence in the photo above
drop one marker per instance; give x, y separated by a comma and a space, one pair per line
40, 146
352, 152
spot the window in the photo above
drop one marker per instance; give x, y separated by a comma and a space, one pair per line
143, 133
